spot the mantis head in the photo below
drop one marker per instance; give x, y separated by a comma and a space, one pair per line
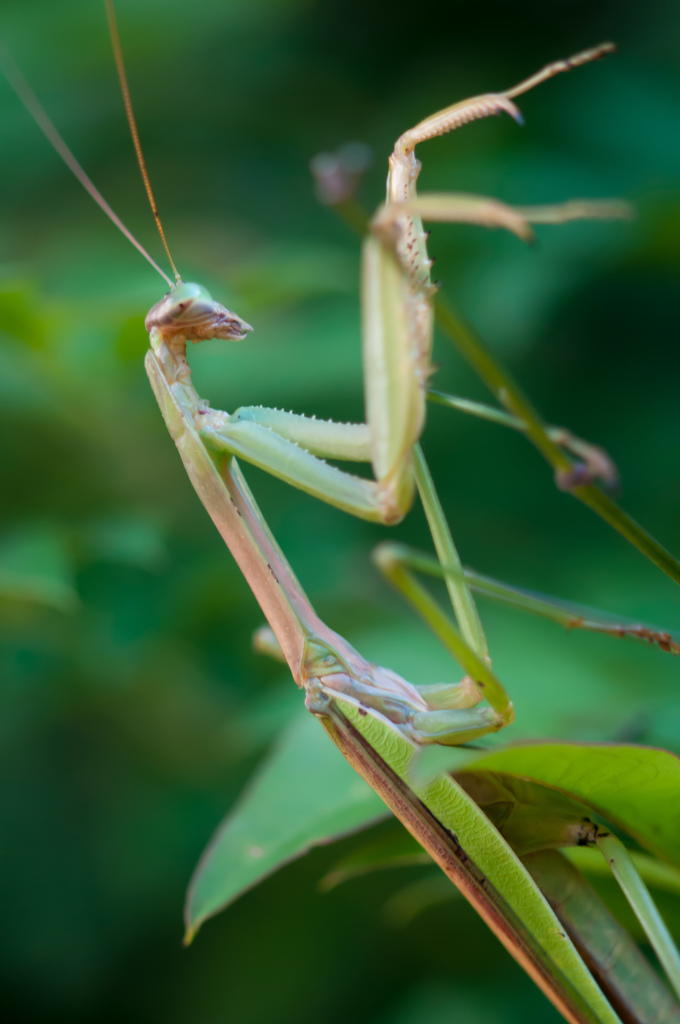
190, 312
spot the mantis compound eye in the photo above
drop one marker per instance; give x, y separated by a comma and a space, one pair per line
190, 311
190, 301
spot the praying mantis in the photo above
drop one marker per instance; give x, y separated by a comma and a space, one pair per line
378, 719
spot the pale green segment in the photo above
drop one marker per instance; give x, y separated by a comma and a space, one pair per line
494, 858
394, 400
642, 905
654, 872
462, 600
323, 438
266, 449
607, 943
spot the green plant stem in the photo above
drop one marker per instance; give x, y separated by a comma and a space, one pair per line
653, 872
643, 906
499, 382
510, 395
478, 409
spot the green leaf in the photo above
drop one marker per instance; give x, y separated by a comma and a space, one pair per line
304, 794
635, 788
653, 872
35, 566
293, 273
131, 539
18, 305
289, 808
395, 849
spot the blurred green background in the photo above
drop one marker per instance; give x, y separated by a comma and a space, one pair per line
132, 708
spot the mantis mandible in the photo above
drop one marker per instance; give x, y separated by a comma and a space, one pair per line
376, 718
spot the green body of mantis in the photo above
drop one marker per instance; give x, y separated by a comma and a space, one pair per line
375, 717
357, 703
397, 327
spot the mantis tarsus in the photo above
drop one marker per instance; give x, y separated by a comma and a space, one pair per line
377, 718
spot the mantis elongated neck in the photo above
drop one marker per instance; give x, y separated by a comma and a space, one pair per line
232, 507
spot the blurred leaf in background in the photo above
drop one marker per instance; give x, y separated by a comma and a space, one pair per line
132, 708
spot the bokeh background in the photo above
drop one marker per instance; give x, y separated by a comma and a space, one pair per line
132, 709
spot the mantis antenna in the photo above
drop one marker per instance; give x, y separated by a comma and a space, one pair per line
118, 54
35, 108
